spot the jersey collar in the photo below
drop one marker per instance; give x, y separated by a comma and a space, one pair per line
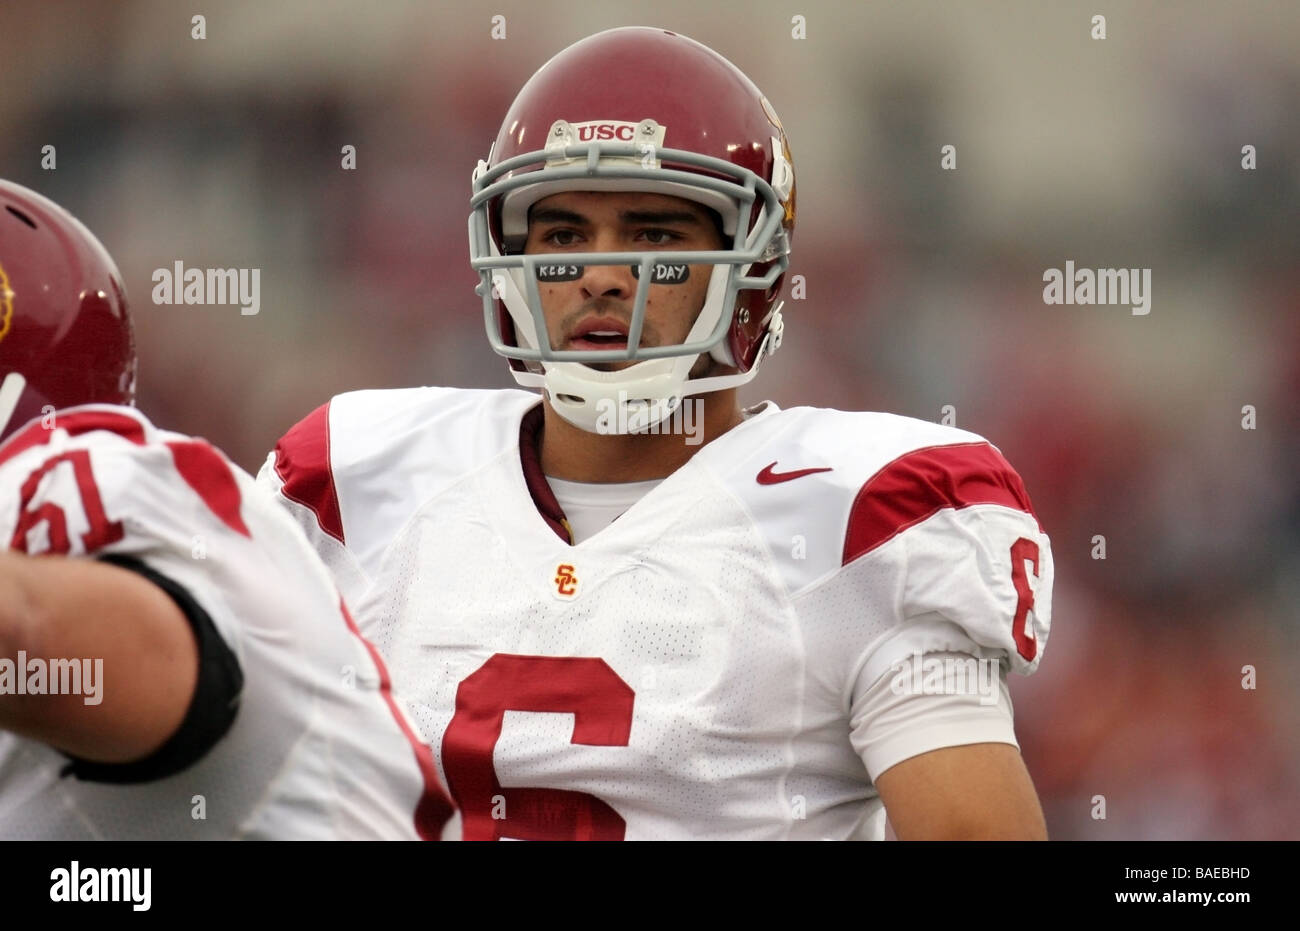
530, 457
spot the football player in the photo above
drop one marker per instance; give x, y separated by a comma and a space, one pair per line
629, 608
175, 662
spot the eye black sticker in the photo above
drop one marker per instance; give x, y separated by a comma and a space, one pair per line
661, 273
559, 272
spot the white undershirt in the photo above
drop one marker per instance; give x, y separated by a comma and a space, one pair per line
591, 507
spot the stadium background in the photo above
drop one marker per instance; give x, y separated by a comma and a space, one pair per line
924, 289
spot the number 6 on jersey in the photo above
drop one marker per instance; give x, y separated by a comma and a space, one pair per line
1024, 551
601, 705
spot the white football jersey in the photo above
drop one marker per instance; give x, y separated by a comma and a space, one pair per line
710, 664
319, 748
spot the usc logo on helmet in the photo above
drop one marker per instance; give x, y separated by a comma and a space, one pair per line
594, 131
566, 583
6, 304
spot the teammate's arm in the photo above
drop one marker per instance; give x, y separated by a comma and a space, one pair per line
971, 792
73, 609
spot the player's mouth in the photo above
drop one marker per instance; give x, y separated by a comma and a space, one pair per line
597, 333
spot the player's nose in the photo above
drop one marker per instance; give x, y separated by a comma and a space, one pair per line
614, 281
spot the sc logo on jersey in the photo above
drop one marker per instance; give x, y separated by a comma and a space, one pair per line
566, 582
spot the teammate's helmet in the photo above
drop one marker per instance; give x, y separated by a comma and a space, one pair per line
65, 335
637, 109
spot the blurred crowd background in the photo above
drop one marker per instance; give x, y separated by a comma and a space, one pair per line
924, 289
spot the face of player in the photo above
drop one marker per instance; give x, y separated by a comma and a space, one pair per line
595, 310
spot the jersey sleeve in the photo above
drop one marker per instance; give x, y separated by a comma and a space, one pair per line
320, 746
893, 720
107, 483
945, 587
941, 561
950, 533
299, 475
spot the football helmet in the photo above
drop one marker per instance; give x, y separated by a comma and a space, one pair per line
637, 109
65, 333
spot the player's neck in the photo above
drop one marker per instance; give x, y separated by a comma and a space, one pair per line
576, 455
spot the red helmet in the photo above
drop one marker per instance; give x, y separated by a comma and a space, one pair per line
638, 109
65, 335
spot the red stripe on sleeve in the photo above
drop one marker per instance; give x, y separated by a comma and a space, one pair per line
207, 473
302, 460
923, 482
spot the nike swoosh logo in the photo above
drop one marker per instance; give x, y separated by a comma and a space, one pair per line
769, 477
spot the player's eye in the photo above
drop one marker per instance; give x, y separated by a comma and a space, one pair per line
560, 237
659, 237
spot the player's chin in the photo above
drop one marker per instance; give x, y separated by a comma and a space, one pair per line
608, 366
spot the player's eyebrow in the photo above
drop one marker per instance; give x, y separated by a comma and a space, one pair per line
629, 217
556, 215
660, 216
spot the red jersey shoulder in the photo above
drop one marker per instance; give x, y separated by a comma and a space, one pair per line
302, 463
921, 482
106, 453
352, 457
851, 481
121, 422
